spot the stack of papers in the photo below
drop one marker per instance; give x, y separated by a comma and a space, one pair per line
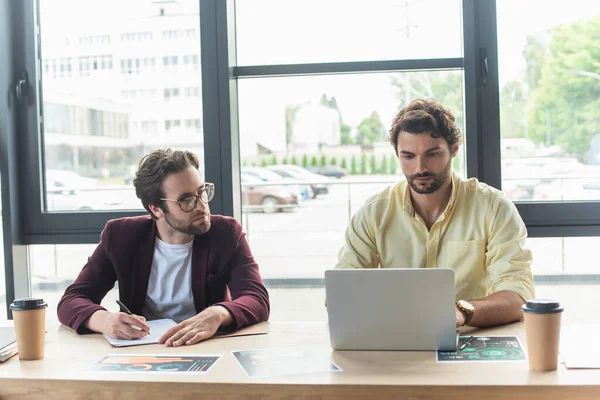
8, 344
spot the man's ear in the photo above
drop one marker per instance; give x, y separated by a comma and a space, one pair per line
156, 210
455, 150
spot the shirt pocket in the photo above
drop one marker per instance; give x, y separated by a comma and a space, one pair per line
467, 259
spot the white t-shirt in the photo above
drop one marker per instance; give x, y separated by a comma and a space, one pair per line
169, 292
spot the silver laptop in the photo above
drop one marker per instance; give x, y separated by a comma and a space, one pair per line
391, 309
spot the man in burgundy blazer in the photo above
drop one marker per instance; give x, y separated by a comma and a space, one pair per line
226, 286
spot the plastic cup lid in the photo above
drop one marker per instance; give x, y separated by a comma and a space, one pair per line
29, 303
542, 306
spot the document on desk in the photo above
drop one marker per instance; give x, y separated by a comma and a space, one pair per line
268, 363
157, 328
180, 363
577, 349
485, 349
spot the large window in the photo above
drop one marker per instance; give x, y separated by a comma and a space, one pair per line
313, 149
96, 123
549, 103
310, 31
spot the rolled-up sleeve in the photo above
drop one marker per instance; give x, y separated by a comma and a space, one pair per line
360, 249
508, 260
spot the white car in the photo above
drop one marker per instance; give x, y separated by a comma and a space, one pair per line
69, 191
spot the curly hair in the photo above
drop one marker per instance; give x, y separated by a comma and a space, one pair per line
425, 115
153, 169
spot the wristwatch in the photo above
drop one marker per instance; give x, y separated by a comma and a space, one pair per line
467, 309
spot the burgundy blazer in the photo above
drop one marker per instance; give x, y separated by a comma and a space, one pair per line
223, 272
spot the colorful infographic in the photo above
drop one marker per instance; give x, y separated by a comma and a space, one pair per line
267, 363
197, 363
485, 348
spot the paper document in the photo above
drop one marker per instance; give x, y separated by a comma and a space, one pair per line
157, 328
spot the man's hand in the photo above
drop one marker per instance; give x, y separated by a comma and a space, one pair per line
460, 317
118, 325
200, 327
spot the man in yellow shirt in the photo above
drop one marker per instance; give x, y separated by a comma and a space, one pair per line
435, 219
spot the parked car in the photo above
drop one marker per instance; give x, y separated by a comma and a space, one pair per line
69, 191
270, 198
330, 170
270, 176
301, 174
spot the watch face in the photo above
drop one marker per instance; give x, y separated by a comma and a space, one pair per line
466, 305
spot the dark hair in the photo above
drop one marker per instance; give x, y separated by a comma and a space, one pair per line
425, 115
153, 169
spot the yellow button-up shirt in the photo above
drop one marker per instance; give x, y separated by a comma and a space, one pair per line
480, 235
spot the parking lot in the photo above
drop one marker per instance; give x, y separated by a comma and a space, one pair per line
302, 241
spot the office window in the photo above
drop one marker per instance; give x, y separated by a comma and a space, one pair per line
346, 31
549, 85
333, 125
136, 36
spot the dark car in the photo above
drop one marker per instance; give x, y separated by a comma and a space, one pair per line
330, 170
294, 172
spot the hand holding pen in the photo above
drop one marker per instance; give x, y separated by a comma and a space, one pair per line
143, 326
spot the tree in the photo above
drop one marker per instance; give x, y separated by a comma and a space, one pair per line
284, 160
290, 117
370, 130
343, 163
294, 160
313, 161
534, 53
565, 105
305, 160
384, 168
363, 164
345, 134
323, 161
263, 162
373, 165
393, 164
513, 101
274, 160
353, 169
333, 161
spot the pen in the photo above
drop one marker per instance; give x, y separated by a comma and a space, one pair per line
466, 343
124, 308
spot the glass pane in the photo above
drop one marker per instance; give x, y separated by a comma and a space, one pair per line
335, 126
309, 31
549, 103
115, 86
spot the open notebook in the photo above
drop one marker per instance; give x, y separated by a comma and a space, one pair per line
157, 328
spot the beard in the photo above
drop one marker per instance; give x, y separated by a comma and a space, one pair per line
188, 227
436, 182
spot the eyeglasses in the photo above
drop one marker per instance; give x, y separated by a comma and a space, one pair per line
188, 203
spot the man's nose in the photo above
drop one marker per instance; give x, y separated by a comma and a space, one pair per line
421, 165
200, 204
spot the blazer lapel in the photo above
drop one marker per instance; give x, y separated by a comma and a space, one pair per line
200, 255
142, 263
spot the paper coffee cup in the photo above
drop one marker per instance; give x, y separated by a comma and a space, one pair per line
542, 328
29, 316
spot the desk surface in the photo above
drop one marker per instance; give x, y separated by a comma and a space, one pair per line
367, 374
